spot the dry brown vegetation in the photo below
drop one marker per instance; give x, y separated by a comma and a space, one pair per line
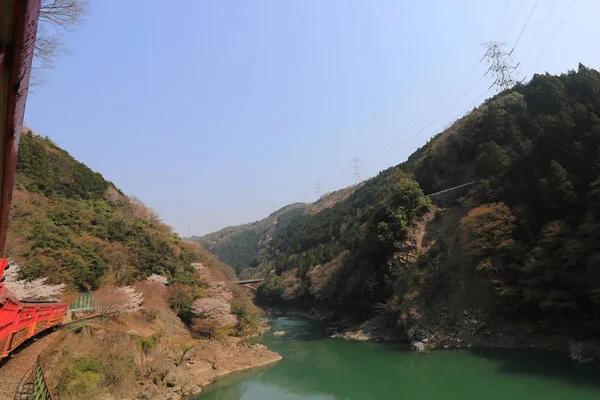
147, 352
320, 275
486, 229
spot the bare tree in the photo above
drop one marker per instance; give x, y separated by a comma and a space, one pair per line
163, 281
113, 196
137, 209
215, 310
56, 16
119, 299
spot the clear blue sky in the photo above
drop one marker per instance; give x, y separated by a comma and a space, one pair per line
213, 111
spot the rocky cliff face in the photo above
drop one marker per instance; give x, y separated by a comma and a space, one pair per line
441, 302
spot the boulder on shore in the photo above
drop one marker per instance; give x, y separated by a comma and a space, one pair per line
180, 380
418, 346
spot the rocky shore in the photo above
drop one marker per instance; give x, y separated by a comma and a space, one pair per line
467, 328
212, 359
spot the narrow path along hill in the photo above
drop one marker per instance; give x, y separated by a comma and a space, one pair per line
20, 364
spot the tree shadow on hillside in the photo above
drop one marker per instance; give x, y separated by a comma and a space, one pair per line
546, 364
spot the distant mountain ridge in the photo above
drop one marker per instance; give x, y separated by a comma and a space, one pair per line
244, 246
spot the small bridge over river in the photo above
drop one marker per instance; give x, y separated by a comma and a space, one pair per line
249, 283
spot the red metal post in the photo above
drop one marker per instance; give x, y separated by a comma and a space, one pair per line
16, 55
18, 27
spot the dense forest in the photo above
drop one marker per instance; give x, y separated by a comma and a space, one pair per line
239, 246
529, 227
535, 151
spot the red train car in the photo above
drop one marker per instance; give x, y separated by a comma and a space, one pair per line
23, 319
19, 319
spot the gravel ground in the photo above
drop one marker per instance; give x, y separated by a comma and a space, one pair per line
12, 370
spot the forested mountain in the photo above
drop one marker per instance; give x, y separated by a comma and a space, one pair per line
68, 223
239, 245
244, 247
525, 238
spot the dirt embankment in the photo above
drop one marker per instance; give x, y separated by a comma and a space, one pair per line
148, 354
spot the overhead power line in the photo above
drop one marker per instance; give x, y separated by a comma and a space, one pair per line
429, 110
512, 22
501, 19
502, 77
475, 85
525, 25
383, 151
551, 36
440, 115
537, 31
477, 100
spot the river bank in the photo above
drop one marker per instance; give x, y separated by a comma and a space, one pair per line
317, 367
451, 329
168, 366
147, 354
210, 360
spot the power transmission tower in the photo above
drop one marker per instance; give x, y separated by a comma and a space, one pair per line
501, 67
356, 168
189, 230
273, 207
318, 189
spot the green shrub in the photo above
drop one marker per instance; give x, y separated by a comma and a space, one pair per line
81, 377
147, 343
247, 316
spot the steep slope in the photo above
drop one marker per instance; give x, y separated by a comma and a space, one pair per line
340, 257
68, 223
149, 354
524, 239
243, 246
238, 246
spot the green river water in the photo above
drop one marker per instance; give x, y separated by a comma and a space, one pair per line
315, 367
